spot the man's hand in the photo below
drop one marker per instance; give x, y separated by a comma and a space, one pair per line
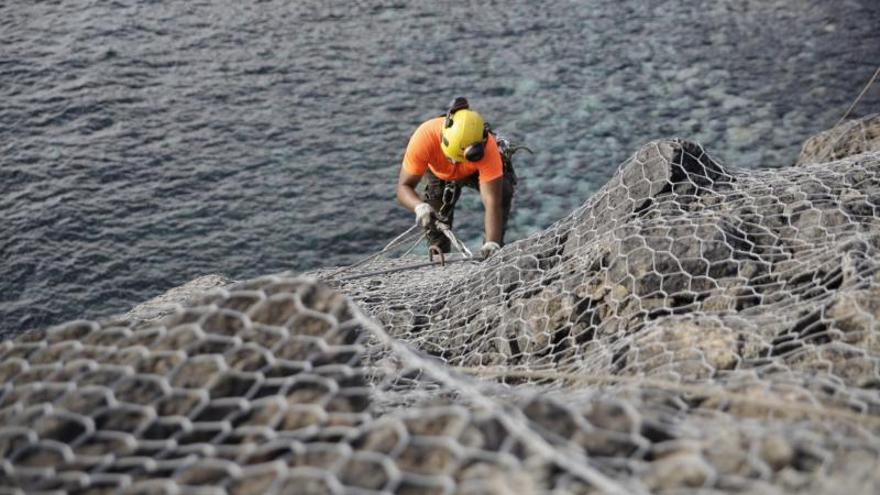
425, 215
489, 249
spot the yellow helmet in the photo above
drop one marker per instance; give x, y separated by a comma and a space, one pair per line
464, 133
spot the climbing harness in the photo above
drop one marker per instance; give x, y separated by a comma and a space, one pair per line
507, 150
450, 195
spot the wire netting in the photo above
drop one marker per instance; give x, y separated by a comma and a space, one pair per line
689, 328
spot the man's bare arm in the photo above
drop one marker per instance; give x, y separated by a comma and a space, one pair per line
406, 189
491, 195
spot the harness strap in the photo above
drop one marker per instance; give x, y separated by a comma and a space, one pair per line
451, 191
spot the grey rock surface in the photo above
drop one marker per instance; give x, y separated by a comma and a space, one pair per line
691, 328
749, 293
849, 138
168, 302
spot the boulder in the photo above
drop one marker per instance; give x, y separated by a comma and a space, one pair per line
847, 139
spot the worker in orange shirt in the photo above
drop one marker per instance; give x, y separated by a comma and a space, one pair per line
452, 151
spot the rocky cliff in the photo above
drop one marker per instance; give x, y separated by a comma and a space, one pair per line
690, 327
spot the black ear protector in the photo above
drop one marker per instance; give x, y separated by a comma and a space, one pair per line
474, 152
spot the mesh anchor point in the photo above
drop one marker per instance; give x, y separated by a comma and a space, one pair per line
435, 250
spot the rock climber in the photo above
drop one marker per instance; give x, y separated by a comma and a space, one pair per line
454, 150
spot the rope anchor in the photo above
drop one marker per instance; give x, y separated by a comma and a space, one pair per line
456, 243
435, 250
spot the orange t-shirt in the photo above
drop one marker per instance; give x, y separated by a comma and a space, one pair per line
423, 152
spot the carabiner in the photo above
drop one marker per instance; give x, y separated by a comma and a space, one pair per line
435, 250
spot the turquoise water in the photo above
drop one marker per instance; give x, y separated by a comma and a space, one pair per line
143, 144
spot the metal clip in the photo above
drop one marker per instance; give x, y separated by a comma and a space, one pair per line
435, 250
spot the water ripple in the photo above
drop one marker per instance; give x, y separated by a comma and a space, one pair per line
144, 143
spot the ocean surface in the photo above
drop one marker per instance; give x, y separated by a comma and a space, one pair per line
144, 143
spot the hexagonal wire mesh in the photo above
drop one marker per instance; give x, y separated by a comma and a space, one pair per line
690, 327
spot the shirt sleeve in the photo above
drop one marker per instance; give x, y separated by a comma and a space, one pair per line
490, 166
415, 160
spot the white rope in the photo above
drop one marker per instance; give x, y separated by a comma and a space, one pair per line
387, 248
466, 254
454, 240
859, 98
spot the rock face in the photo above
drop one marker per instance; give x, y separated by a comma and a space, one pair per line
849, 138
674, 256
745, 301
168, 302
272, 387
690, 328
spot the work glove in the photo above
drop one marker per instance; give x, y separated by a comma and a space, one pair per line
489, 248
425, 214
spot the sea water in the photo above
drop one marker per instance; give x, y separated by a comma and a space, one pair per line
144, 143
